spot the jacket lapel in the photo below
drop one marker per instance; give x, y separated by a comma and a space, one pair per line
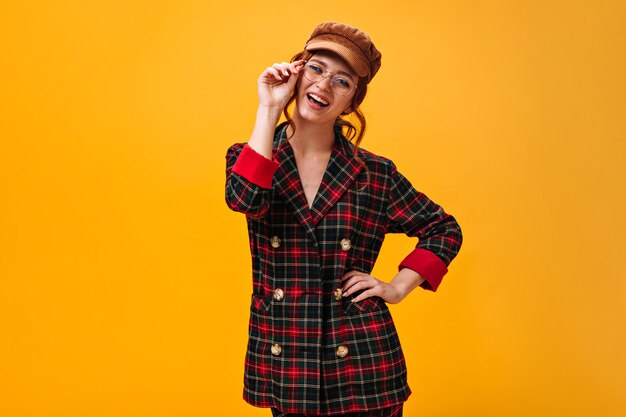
287, 181
341, 172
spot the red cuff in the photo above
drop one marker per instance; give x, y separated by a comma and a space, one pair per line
428, 265
256, 168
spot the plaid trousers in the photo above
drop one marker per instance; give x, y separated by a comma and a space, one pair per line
394, 411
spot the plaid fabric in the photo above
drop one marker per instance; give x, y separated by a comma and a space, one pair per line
395, 411
298, 250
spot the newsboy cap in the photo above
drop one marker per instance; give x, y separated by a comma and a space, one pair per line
350, 43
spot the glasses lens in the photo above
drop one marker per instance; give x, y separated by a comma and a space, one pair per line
340, 84
313, 72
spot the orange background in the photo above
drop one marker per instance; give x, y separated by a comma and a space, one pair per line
125, 280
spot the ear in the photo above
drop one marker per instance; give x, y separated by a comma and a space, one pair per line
347, 111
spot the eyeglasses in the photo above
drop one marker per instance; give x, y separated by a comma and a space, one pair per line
340, 84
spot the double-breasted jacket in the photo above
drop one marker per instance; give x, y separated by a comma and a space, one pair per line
310, 349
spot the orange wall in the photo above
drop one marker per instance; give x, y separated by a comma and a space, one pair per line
125, 280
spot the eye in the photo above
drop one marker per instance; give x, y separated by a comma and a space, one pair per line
344, 82
315, 68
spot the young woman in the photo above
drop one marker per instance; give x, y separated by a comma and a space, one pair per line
321, 338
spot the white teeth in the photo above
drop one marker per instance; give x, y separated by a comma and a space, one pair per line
318, 98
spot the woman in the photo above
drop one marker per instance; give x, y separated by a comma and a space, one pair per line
321, 338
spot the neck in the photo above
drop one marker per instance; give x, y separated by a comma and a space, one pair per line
311, 137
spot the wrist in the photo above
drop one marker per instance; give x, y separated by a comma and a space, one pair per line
401, 289
406, 281
269, 113
262, 137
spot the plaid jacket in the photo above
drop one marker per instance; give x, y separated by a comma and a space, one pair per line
311, 351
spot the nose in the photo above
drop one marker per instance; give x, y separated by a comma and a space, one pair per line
324, 83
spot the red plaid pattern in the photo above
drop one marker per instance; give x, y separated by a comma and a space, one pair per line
395, 411
292, 361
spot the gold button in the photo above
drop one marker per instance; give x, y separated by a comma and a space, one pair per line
346, 244
279, 294
275, 241
338, 294
342, 351
276, 349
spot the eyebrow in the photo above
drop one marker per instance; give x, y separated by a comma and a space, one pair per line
324, 64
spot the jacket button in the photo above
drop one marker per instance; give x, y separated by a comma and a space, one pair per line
338, 294
342, 351
279, 294
275, 241
346, 244
276, 349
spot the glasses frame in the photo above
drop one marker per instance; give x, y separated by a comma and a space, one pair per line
326, 74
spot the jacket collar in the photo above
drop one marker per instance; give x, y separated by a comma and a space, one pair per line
341, 172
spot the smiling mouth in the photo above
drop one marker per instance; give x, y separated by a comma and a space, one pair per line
317, 100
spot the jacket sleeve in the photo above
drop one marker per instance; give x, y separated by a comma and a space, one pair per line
248, 180
413, 213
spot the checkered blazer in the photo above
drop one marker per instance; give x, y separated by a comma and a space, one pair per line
311, 351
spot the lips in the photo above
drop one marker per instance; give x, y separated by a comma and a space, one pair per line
317, 99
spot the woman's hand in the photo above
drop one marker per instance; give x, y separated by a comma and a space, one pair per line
277, 82
392, 292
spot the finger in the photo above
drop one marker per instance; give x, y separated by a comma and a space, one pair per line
350, 274
349, 283
282, 68
353, 280
293, 67
275, 73
365, 294
297, 65
361, 285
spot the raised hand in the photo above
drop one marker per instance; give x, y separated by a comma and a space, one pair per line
277, 82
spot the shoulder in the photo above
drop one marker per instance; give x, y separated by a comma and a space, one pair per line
234, 150
235, 147
374, 162
373, 159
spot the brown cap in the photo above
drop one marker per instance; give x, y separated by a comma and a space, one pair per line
350, 43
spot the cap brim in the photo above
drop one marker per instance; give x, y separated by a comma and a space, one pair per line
351, 57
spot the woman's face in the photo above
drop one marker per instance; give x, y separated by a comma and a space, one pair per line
316, 102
